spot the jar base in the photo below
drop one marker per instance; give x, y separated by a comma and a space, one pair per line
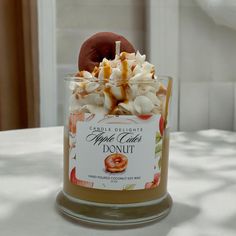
113, 214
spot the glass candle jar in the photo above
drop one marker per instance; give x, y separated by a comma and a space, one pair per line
116, 164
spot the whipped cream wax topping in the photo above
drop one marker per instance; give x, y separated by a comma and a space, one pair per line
126, 85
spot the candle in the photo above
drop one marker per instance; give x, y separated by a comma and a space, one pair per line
116, 143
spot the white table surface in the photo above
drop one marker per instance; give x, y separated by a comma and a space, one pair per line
202, 182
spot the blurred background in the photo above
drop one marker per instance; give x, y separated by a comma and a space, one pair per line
194, 41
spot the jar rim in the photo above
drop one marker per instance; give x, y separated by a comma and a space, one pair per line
72, 78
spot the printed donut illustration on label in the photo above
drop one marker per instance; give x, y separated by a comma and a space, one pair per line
116, 163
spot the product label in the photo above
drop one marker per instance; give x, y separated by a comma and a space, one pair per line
115, 152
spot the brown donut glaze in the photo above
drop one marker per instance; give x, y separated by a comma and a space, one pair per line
101, 45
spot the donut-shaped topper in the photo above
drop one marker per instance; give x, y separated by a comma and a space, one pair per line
101, 45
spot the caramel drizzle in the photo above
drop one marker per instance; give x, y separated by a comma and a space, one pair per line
124, 72
153, 73
168, 94
124, 65
95, 71
107, 71
80, 73
123, 56
112, 99
123, 91
133, 67
83, 93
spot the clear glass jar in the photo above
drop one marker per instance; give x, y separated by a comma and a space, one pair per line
109, 184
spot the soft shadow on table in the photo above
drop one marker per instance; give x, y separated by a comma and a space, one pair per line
179, 214
46, 164
36, 209
26, 211
230, 223
205, 143
213, 151
40, 215
26, 181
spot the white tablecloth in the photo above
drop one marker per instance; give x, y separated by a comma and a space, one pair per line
202, 182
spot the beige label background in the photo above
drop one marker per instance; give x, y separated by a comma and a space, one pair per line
90, 155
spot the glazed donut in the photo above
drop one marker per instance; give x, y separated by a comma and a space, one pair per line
116, 162
101, 45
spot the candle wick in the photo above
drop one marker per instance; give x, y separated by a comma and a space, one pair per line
118, 48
